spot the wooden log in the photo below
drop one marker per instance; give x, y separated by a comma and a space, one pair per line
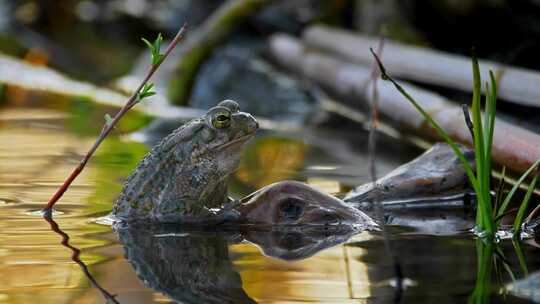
518, 85
513, 147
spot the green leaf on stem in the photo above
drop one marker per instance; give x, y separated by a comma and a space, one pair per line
146, 91
155, 47
108, 120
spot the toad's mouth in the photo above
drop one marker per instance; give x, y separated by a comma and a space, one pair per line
235, 142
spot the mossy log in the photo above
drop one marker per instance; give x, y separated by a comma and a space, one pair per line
200, 44
513, 147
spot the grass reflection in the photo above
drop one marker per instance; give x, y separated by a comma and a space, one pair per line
491, 257
482, 290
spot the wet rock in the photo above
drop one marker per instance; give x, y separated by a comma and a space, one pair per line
436, 172
238, 71
292, 16
283, 16
191, 12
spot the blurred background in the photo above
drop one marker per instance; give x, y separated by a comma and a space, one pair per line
98, 42
302, 67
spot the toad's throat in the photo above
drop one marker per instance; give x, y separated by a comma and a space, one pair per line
235, 142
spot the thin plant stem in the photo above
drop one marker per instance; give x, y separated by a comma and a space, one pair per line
484, 218
499, 192
521, 257
438, 129
523, 207
372, 144
513, 190
468, 121
498, 256
108, 127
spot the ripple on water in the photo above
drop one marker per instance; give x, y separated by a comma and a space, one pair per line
107, 220
4, 201
16, 204
39, 212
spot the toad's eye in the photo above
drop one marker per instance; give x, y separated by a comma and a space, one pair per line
221, 119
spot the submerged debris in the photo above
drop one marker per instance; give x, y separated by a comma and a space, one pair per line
526, 288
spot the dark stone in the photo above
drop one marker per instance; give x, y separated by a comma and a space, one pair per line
239, 71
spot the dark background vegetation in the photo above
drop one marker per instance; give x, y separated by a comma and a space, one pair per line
98, 40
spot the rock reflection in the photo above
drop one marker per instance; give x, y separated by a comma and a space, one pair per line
193, 266
294, 245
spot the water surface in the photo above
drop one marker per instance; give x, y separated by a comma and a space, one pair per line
40, 146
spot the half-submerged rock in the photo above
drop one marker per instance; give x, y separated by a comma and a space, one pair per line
292, 203
526, 288
438, 172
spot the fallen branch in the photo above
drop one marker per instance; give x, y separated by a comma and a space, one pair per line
424, 65
142, 91
513, 147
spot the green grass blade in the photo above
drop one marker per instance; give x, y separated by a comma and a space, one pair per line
484, 217
512, 191
489, 125
499, 193
488, 136
523, 207
485, 120
499, 257
520, 256
498, 217
491, 109
476, 118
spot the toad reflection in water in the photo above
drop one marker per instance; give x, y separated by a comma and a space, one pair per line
287, 220
194, 267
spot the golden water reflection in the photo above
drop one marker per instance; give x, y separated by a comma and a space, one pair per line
38, 150
334, 275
